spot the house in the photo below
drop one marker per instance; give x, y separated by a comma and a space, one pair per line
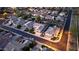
29, 24
62, 13
60, 18
18, 21
37, 47
54, 12
5, 39
52, 32
14, 21
38, 27
8, 22
21, 21
49, 17
16, 44
49, 33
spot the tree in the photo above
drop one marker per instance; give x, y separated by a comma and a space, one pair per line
1, 30
43, 46
18, 26
29, 15
31, 45
26, 30
5, 14
24, 17
26, 48
18, 12
38, 19
32, 31
5, 10
54, 38
33, 18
